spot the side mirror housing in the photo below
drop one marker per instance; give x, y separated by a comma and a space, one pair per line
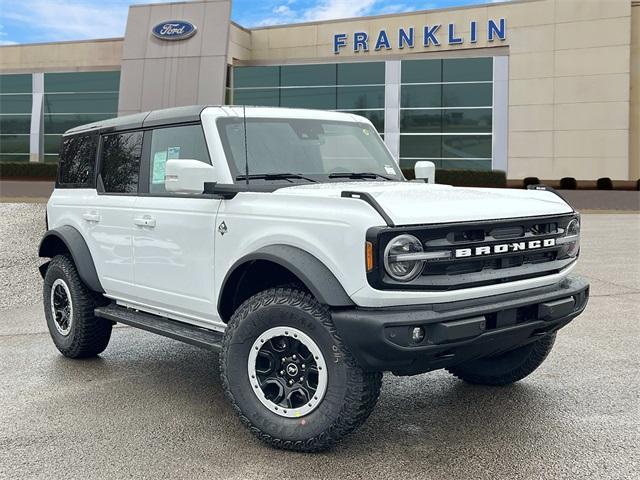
425, 171
187, 176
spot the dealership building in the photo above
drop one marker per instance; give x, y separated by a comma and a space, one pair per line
546, 88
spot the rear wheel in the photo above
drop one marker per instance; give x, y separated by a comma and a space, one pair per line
68, 307
508, 367
288, 375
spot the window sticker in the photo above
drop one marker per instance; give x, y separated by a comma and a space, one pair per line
173, 153
389, 169
159, 162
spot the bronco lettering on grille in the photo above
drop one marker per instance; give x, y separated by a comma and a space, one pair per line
504, 248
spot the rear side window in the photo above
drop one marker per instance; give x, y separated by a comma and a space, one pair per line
175, 143
78, 161
120, 162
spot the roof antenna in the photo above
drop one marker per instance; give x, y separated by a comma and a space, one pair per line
246, 149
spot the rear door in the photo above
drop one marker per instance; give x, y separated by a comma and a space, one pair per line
174, 234
109, 220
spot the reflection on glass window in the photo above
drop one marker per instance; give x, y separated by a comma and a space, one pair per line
446, 112
120, 162
72, 99
174, 143
356, 87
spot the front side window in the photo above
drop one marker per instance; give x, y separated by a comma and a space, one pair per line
314, 148
174, 143
120, 162
77, 161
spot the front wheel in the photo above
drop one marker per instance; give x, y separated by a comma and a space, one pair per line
505, 368
288, 375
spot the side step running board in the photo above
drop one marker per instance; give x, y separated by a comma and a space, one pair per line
200, 337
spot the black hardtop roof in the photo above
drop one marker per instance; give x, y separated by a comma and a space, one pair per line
153, 118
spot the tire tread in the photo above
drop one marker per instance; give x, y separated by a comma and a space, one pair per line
363, 388
91, 335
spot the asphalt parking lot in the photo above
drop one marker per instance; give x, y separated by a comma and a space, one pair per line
153, 408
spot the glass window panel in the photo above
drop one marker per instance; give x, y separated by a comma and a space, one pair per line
374, 116
365, 73
360, 97
14, 143
62, 123
51, 158
81, 103
256, 77
52, 143
16, 83
467, 121
323, 98
307, 75
120, 164
467, 95
466, 146
14, 157
78, 160
82, 82
171, 143
313, 147
421, 121
15, 124
421, 96
15, 103
466, 164
420, 146
467, 69
260, 97
421, 71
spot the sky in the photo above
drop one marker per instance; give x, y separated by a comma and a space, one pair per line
32, 21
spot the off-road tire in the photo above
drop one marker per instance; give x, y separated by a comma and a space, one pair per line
351, 393
505, 368
89, 335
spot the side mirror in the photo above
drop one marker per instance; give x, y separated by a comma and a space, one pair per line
425, 171
187, 176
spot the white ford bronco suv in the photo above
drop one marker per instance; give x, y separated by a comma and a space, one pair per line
290, 241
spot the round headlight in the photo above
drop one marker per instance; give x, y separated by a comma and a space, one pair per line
395, 262
573, 230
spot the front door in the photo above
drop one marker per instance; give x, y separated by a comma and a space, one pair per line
174, 234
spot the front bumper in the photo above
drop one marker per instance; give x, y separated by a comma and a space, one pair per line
381, 338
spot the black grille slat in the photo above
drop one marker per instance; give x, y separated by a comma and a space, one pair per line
485, 269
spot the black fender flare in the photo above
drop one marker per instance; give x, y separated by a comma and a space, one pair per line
77, 247
314, 274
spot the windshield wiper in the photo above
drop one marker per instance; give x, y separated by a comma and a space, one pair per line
275, 176
357, 175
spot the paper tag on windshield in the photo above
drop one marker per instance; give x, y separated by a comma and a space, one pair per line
389, 169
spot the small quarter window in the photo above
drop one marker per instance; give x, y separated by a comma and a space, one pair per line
77, 161
120, 163
185, 142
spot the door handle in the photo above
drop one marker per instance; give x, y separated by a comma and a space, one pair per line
146, 221
91, 216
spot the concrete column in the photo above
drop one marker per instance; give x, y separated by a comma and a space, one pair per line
500, 113
392, 106
36, 134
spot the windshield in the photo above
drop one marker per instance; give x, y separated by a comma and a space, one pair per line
308, 150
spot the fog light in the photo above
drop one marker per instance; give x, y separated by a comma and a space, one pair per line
417, 334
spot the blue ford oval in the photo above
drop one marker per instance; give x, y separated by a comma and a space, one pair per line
174, 30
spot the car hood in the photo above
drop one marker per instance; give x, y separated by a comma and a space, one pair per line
411, 203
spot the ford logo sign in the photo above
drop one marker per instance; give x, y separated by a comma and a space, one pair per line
174, 30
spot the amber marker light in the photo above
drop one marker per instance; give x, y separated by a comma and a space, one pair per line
369, 256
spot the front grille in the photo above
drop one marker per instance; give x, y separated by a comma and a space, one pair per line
483, 269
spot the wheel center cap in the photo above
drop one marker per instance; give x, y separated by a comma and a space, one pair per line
292, 369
